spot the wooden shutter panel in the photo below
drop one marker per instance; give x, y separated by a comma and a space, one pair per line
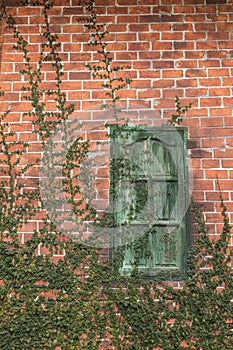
150, 195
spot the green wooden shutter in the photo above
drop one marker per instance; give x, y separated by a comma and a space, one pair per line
149, 197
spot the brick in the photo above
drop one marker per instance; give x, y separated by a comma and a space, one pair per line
129, 37
225, 44
152, 93
213, 143
220, 72
204, 27
186, 82
195, 73
140, 84
210, 102
161, 45
164, 83
149, 2
78, 95
195, 18
182, 27
194, 55
210, 82
186, 64
227, 81
218, 36
195, 36
222, 132
209, 63
183, 45
184, 9
172, 36
219, 92
225, 153
72, 10
215, 2
228, 101
162, 10
206, 45
227, 163
120, 10
203, 184
126, 19
80, 57
213, 122
119, 28
149, 74
141, 65
160, 27
172, 73
126, 56
161, 64
214, 196
139, 46
171, 93
149, 18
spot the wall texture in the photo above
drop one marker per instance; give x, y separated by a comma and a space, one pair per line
169, 48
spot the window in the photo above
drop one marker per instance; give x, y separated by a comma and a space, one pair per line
149, 197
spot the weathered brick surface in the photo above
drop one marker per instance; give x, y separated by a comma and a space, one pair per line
170, 47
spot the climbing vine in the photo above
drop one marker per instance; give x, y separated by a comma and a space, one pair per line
55, 293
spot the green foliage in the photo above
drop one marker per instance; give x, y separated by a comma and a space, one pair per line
180, 112
55, 292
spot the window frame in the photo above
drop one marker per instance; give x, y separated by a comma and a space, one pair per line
166, 272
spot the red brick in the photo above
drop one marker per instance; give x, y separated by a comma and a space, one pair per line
213, 143
137, 28
163, 83
195, 36
195, 73
162, 64
160, 27
210, 102
119, 10
152, 93
228, 101
219, 92
204, 27
214, 122
128, 37
139, 46
220, 72
172, 73
183, 45
126, 56
182, 27
195, 18
214, 196
172, 55
148, 55
184, 9
186, 64
125, 19
186, 82
206, 45
149, 18
140, 84
149, 74
203, 184
225, 45
210, 82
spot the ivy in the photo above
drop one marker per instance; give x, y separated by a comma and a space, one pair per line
54, 291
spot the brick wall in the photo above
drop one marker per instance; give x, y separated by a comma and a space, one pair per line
170, 47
